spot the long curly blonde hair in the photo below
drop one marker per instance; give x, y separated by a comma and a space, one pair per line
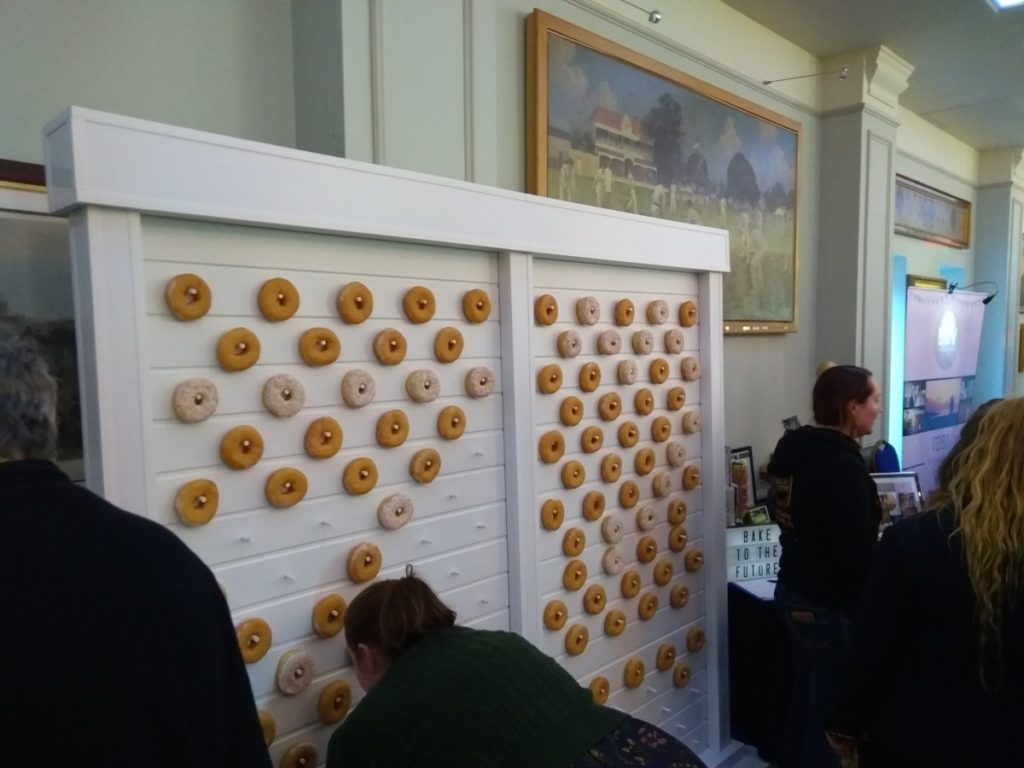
986, 494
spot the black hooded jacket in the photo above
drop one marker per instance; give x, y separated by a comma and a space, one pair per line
827, 508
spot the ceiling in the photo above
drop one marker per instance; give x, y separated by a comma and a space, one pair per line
968, 60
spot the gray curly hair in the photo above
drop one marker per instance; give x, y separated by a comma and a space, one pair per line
28, 397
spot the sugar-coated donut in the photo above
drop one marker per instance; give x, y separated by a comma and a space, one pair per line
687, 314
364, 562
576, 639
254, 637
693, 560
238, 349
624, 312
612, 530
448, 344
295, 671
593, 506
675, 399
319, 346
551, 446
278, 299
195, 400
418, 304
285, 487
389, 347
646, 518
571, 411
594, 599
644, 461
573, 474
188, 296
392, 428
630, 584
614, 623
476, 305
643, 401
609, 342
674, 341
609, 406
629, 434
590, 377
677, 511
627, 372
679, 596
552, 513
451, 422
695, 640
569, 343
681, 675
690, 369
592, 439
574, 575
267, 726
599, 690
661, 485
355, 303
647, 606
677, 538
283, 395
358, 388
663, 571
394, 511
691, 477
555, 614
661, 428
422, 386
241, 447
479, 382
691, 422
323, 438
613, 561
333, 704
666, 656
301, 754
643, 342
646, 549
549, 378
424, 465
675, 454
573, 542
329, 615
629, 494
611, 468
196, 502
545, 309
588, 311
360, 476
658, 371
633, 674
657, 312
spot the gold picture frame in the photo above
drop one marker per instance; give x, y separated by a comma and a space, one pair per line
928, 214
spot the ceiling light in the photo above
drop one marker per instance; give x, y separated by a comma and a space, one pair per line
1002, 5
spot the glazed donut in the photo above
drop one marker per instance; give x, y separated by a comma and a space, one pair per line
571, 411
241, 447
267, 726
196, 502
691, 477
611, 468
549, 378
364, 562
422, 386
424, 465
681, 675
643, 462
599, 689
687, 314
588, 311
479, 382
695, 640
679, 596
476, 305
278, 299
552, 513
283, 395
392, 429
657, 312
663, 571
355, 303
628, 434
295, 672
611, 530
448, 344
594, 599
335, 699
590, 377
633, 674
451, 422
674, 341
574, 575
593, 506
677, 537
646, 518
614, 623
285, 487
624, 312
661, 485
389, 347
676, 511
675, 399
195, 400
302, 754
627, 372
693, 560
329, 615
690, 369
545, 309
675, 454
643, 401
555, 614
630, 584
629, 494
658, 370
360, 476
576, 639
591, 440
643, 342
646, 549
238, 349
358, 388
569, 343
573, 474
394, 511
661, 428
647, 606
609, 406
254, 637
573, 542
319, 346
612, 561
323, 438
418, 304
666, 657
188, 296
609, 342
691, 422
551, 446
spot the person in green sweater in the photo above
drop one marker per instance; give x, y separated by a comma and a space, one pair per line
442, 695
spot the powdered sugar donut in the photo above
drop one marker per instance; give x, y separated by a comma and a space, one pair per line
195, 400
646, 518
657, 312
627, 372
569, 343
661, 485
609, 342
611, 530
613, 560
295, 672
643, 342
690, 368
395, 511
588, 311
673, 341
422, 386
479, 382
283, 395
675, 453
358, 388
691, 422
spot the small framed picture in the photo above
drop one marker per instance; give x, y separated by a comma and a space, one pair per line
757, 515
899, 494
741, 475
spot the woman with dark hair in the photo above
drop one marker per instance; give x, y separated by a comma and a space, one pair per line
448, 696
827, 508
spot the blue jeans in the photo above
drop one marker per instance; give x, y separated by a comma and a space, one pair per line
820, 642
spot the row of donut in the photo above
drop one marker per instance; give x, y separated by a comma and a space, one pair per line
573, 474
569, 343
588, 311
633, 673
550, 377
552, 511
189, 298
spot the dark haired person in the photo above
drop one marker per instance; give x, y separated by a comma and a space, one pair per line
443, 696
117, 648
827, 508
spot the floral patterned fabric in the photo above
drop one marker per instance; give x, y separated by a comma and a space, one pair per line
636, 743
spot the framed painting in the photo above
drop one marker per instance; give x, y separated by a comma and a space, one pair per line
928, 214
613, 128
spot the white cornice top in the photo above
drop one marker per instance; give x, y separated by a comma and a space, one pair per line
877, 77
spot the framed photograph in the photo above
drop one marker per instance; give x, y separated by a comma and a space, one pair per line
741, 474
899, 494
1020, 349
928, 214
610, 127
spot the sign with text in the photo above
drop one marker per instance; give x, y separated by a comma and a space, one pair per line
752, 552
